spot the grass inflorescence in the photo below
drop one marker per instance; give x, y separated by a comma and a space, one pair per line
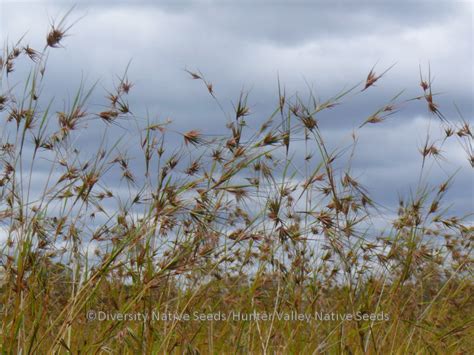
215, 225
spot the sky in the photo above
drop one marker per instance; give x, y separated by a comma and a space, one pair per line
325, 46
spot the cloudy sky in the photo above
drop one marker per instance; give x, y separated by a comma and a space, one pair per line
323, 45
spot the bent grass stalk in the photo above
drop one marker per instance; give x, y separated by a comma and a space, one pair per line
267, 219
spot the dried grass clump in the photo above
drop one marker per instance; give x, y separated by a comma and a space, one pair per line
239, 222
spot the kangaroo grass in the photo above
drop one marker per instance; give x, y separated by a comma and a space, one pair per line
264, 236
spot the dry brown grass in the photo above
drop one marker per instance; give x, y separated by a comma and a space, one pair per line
221, 224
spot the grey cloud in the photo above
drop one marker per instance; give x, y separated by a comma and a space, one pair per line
246, 45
